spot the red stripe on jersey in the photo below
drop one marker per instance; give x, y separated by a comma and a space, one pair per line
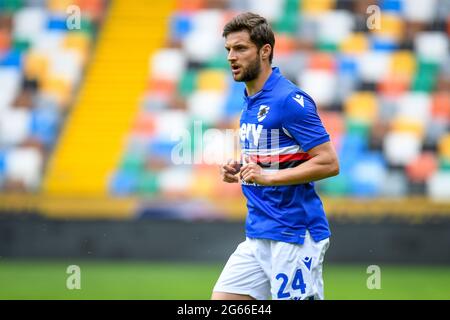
281, 157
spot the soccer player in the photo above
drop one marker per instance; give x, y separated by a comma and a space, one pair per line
284, 149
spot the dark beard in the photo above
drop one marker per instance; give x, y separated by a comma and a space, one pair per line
251, 72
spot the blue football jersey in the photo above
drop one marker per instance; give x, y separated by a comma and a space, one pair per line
277, 126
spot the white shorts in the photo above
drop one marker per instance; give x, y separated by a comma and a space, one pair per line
265, 269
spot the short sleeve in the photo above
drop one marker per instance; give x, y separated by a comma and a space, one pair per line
302, 122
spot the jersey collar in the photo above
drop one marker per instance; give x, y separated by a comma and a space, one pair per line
269, 84
273, 79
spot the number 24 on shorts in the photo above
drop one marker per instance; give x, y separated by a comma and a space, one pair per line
297, 284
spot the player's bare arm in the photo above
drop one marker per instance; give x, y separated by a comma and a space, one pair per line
323, 164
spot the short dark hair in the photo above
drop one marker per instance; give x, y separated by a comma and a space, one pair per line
258, 28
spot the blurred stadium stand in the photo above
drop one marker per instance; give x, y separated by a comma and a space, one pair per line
87, 116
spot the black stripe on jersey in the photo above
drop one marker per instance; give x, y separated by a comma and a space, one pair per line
280, 165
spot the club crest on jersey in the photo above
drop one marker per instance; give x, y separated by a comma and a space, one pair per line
263, 111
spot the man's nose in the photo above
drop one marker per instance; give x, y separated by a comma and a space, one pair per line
231, 56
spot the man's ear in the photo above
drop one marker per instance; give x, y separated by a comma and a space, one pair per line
265, 51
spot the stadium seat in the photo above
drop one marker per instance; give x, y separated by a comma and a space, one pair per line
162, 149
355, 43
155, 100
444, 146
133, 163
374, 66
162, 86
204, 178
212, 80
440, 106
175, 181
59, 88
2, 166
48, 41
123, 184
15, 125
144, 125
335, 26
169, 122
288, 22
334, 124
66, 65
78, 41
400, 148
5, 41
92, 8
188, 83
11, 6
36, 65
10, 81
206, 106
234, 99
45, 123
189, 6
391, 27
395, 185
352, 147
59, 6
312, 7
435, 130
168, 64
202, 46
337, 186
21, 45
291, 65
361, 106
422, 168
24, 164
147, 183
419, 11
368, 175
432, 46
57, 23
29, 23
426, 76
408, 125
416, 106
322, 61
285, 44
437, 186
393, 6
180, 25
402, 64
383, 44
320, 84
393, 86
271, 9
11, 58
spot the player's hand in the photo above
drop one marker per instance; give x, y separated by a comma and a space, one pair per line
229, 171
252, 173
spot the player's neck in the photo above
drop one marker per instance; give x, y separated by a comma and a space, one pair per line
256, 85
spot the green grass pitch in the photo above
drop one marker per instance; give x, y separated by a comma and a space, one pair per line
181, 281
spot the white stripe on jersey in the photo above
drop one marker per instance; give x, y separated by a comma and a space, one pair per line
273, 152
